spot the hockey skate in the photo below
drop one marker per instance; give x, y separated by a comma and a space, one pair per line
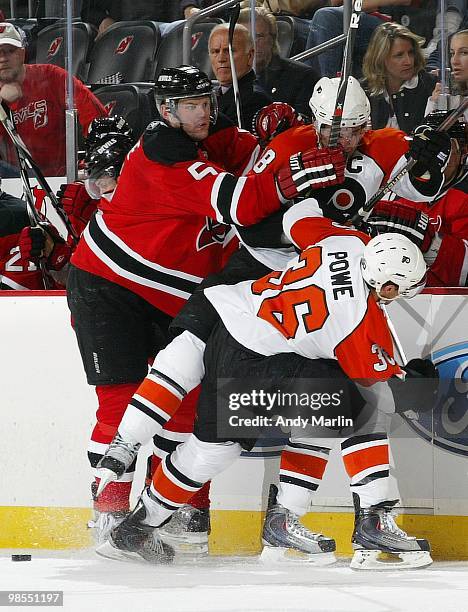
103, 523
133, 540
118, 458
187, 531
286, 539
380, 544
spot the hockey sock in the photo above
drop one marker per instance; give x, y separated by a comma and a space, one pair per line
200, 499
112, 402
301, 470
185, 471
366, 460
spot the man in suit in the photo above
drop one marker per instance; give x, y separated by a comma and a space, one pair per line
252, 97
283, 79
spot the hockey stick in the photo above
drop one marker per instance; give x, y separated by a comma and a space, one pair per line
233, 17
27, 160
345, 73
364, 212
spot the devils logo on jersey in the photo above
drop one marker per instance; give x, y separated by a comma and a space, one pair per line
211, 233
124, 45
54, 47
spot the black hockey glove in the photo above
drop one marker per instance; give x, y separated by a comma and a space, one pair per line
430, 149
421, 368
418, 391
403, 219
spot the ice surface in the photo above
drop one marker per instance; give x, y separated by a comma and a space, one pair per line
227, 584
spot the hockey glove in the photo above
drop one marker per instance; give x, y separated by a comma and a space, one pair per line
273, 119
419, 389
312, 169
77, 204
430, 149
57, 250
403, 219
31, 243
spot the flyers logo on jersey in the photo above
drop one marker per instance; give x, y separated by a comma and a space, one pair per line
54, 47
211, 233
446, 426
124, 45
196, 36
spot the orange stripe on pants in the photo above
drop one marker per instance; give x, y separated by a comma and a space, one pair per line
303, 464
168, 489
366, 458
159, 395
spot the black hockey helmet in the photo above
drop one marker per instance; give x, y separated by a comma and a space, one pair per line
457, 131
174, 84
107, 158
103, 128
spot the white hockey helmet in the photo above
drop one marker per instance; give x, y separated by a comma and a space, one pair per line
356, 109
392, 257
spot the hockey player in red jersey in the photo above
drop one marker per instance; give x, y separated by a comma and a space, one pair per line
372, 158
145, 250
343, 334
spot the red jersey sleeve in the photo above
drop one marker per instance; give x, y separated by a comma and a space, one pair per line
233, 149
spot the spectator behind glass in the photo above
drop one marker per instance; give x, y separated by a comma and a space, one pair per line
459, 80
252, 97
327, 23
35, 95
397, 85
104, 13
283, 79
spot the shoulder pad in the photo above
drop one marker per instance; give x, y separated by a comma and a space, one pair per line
167, 145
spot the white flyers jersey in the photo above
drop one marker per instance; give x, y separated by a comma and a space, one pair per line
318, 307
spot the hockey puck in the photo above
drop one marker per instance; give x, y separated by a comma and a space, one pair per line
21, 557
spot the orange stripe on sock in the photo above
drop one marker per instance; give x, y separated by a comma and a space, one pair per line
365, 458
303, 464
168, 489
159, 395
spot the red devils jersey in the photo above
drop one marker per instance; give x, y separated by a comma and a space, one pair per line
16, 274
39, 116
318, 306
158, 235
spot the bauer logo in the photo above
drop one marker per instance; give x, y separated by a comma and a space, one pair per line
447, 426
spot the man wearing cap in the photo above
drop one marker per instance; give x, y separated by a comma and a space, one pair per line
35, 96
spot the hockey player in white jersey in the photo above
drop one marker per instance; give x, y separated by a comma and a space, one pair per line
342, 332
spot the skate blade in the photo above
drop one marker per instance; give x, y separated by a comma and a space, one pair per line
274, 554
108, 551
106, 477
186, 546
377, 560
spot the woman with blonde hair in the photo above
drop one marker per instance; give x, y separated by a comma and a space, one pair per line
395, 79
459, 78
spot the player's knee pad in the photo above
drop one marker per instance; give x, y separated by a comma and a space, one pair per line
182, 361
201, 461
